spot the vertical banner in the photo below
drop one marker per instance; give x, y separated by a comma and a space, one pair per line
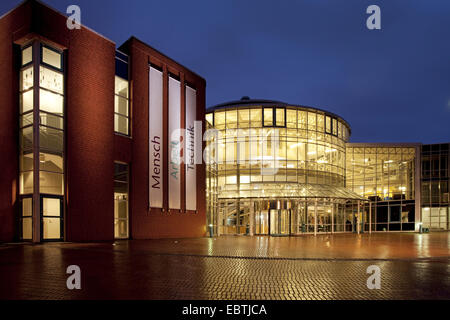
191, 171
156, 142
175, 146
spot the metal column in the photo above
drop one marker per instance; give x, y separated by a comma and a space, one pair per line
332, 217
252, 217
358, 222
315, 218
36, 193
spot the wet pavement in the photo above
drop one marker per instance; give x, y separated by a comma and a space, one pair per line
413, 266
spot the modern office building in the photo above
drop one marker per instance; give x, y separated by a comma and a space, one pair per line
283, 169
84, 132
279, 169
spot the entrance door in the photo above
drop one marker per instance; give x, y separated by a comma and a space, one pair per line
52, 224
262, 222
280, 222
285, 219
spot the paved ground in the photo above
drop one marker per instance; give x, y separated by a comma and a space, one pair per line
413, 266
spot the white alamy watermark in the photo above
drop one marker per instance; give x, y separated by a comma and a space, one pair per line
74, 19
374, 281
226, 146
74, 280
373, 22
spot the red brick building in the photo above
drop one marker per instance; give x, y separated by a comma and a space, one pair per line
77, 116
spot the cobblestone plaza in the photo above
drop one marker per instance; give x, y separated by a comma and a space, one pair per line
332, 267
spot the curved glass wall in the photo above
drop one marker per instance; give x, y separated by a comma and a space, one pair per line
272, 166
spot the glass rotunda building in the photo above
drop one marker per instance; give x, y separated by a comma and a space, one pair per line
278, 169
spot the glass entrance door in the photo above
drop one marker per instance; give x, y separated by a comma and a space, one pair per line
274, 222
285, 219
262, 222
52, 218
280, 221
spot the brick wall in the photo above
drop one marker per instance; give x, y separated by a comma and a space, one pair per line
10, 25
89, 128
156, 223
91, 145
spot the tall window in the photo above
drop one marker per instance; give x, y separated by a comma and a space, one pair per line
121, 116
26, 143
41, 111
121, 175
268, 116
121, 98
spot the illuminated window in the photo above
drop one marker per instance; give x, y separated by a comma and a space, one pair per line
244, 118
312, 121
121, 106
302, 119
209, 118
27, 55
27, 223
255, 117
280, 117
51, 80
121, 180
26, 101
26, 184
26, 79
219, 120
121, 96
51, 57
320, 123
231, 119
268, 117
291, 118
328, 124
335, 127
51, 102
49, 113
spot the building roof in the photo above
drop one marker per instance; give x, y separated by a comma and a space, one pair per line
247, 101
124, 48
42, 4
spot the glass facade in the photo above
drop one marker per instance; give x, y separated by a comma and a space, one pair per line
435, 181
277, 169
41, 140
386, 176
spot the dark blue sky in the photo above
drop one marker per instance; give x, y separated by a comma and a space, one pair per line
391, 85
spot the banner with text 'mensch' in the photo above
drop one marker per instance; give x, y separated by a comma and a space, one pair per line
156, 138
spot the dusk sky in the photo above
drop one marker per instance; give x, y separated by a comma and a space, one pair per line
391, 85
